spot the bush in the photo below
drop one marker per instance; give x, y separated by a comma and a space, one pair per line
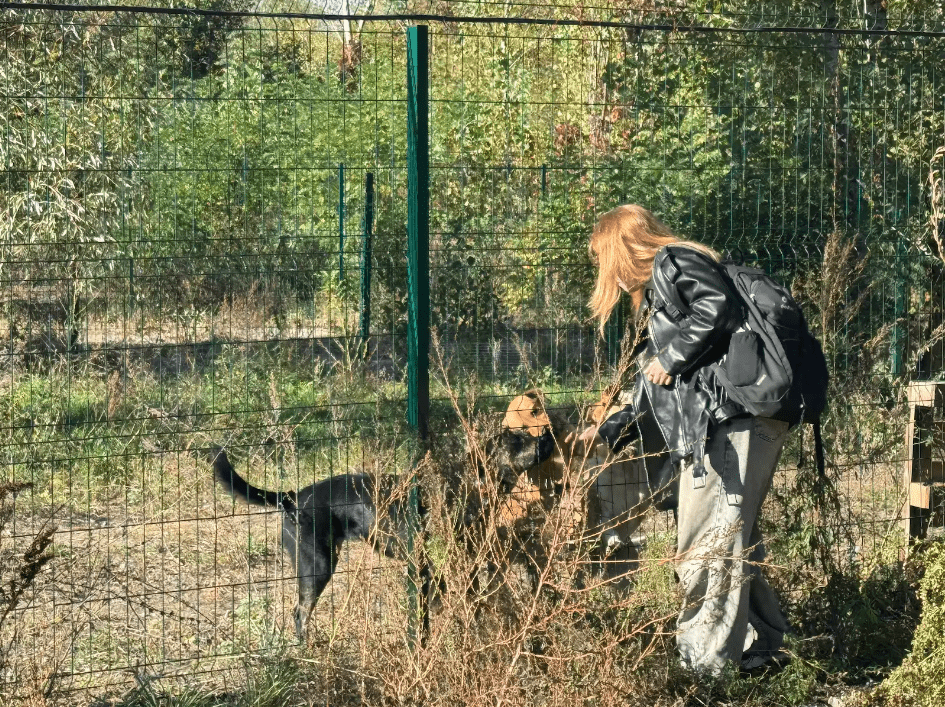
921, 677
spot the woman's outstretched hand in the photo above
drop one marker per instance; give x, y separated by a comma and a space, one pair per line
655, 373
583, 442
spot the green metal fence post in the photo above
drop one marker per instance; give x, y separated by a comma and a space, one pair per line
418, 230
418, 315
899, 311
341, 222
365, 328
131, 283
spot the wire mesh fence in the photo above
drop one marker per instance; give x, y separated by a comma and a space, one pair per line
204, 239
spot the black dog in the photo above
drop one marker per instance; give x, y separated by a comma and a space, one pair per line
317, 519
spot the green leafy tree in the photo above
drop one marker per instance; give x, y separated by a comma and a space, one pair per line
69, 152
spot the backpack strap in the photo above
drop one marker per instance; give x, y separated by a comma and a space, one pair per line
819, 449
670, 272
819, 456
658, 304
674, 312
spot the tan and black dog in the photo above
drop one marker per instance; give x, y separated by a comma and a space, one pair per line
618, 494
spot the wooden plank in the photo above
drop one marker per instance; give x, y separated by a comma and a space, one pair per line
908, 468
921, 471
926, 394
920, 495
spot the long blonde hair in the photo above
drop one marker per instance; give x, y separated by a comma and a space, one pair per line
623, 245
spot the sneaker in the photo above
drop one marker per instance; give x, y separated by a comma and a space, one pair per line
612, 543
762, 661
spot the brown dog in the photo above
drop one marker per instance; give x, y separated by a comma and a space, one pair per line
559, 482
527, 414
618, 494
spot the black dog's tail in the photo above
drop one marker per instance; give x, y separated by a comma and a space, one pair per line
238, 486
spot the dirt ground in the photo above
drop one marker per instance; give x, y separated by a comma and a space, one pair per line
166, 579
178, 586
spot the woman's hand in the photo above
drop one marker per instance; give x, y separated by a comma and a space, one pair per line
583, 442
655, 373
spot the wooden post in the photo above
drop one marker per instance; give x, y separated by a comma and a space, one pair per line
923, 473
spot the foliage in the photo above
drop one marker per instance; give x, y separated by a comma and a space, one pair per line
861, 619
921, 677
220, 139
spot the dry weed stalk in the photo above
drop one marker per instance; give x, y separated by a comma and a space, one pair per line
835, 289
527, 616
18, 573
937, 201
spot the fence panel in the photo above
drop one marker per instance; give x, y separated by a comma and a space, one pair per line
184, 212
183, 225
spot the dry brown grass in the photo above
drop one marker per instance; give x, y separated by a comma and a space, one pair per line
159, 577
182, 582
175, 580
186, 588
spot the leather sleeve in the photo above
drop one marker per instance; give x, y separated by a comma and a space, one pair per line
619, 429
711, 308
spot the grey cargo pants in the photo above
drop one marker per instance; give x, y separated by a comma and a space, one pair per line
728, 607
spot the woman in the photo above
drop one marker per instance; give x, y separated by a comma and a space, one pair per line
725, 459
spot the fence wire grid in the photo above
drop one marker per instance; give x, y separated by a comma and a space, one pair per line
204, 236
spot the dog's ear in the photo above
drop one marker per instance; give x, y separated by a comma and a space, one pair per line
537, 395
289, 503
515, 454
545, 447
513, 441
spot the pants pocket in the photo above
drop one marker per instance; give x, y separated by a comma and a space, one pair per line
769, 430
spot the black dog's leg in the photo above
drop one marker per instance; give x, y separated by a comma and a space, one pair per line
303, 613
310, 589
321, 565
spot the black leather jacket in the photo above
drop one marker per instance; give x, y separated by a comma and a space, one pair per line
690, 311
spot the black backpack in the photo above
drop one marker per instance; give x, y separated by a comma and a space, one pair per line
774, 367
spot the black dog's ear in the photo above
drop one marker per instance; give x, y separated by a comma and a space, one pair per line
479, 460
545, 447
512, 441
289, 503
